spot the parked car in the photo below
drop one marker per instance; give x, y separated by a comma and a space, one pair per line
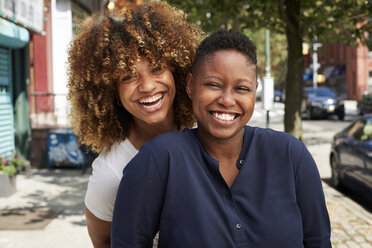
278, 96
364, 105
351, 157
322, 102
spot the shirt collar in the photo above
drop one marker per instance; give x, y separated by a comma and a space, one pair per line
212, 163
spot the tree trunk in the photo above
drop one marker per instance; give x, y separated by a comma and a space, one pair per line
236, 24
294, 77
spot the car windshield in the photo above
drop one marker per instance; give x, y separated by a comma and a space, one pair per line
320, 92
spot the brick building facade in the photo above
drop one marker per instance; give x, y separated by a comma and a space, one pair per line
347, 69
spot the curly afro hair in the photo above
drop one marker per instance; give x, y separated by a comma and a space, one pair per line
108, 47
224, 40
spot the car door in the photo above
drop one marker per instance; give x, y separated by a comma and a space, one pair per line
358, 151
365, 174
349, 148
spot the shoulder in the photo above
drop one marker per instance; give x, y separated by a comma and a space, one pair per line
273, 142
171, 140
105, 179
266, 135
117, 158
165, 148
119, 150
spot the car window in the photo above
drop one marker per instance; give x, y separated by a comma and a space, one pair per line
356, 131
367, 130
320, 92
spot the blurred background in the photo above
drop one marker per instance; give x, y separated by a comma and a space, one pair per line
315, 82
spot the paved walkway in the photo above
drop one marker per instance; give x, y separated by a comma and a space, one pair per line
351, 223
64, 190
61, 190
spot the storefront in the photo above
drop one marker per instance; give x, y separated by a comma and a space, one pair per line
18, 20
13, 39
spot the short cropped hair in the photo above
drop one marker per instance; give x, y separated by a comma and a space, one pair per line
224, 40
108, 47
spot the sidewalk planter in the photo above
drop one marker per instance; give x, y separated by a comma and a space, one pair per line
7, 185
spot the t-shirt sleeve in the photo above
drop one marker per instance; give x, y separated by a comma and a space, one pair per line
311, 201
139, 201
101, 192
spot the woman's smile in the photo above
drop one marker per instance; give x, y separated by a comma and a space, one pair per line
225, 117
151, 103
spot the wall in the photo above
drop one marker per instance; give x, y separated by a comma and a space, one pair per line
357, 65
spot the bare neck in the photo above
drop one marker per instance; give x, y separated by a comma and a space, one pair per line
223, 150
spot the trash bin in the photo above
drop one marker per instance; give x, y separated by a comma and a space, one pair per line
63, 151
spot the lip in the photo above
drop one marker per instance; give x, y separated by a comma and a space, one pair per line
224, 122
149, 104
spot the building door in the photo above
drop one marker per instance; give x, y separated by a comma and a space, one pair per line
6, 106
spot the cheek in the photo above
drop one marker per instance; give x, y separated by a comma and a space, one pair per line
124, 92
171, 86
249, 105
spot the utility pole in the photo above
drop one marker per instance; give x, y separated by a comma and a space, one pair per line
316, 65
268, 86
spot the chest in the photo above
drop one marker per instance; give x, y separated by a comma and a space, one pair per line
229, 171
259, 207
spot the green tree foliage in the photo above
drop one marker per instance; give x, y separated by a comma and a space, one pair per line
299, 20
278, 55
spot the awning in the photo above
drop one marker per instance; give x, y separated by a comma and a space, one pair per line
307, 76
12, 35
334, 71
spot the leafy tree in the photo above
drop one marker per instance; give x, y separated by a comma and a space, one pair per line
278, 57
299, 20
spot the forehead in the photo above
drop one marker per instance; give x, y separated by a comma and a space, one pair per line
224, 59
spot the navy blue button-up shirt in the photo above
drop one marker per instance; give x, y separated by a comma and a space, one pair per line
174, 186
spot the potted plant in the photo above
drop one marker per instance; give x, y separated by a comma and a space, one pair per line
8, 171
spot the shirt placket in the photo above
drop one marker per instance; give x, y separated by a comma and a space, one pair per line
235, 222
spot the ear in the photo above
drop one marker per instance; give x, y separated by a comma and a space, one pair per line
189, 85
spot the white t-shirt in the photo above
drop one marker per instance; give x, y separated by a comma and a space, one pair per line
105, 179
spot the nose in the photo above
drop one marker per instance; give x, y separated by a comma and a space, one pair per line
147, 84
226, 99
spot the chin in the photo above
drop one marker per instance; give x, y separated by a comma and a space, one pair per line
223, 135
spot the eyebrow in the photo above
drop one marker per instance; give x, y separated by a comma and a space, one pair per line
240, 80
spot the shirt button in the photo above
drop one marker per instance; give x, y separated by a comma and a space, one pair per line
228, 196
241, 162
238, 226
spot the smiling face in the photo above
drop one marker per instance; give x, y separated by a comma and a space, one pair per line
148, 94
223, 92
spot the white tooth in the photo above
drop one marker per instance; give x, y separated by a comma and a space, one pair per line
150, 99
224, 116
152, 106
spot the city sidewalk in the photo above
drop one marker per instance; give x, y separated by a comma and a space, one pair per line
60, 190
63, 192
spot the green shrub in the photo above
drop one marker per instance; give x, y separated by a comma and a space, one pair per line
12, 166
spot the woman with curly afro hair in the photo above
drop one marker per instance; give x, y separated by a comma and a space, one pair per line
127, 78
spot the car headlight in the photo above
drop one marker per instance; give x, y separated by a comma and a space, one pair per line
330, 101
316, 104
